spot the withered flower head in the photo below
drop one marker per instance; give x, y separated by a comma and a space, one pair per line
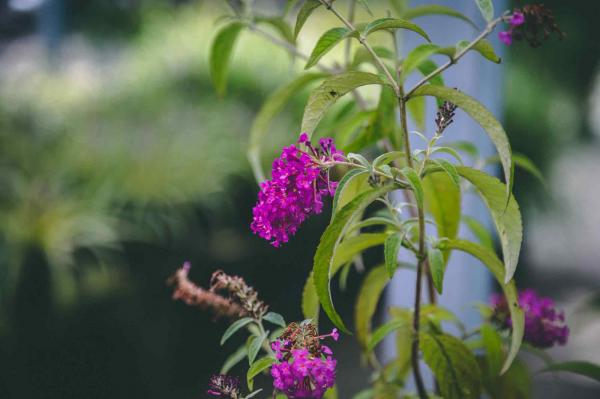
531, 23
239, 292
224, 386
445, 116
191, 294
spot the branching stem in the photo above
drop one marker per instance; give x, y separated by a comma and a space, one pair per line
454, 59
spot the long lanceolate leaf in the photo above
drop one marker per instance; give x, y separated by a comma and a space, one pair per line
220, 55
329, 92
393, 23
507, 218
489, 259
325, 43
345, 252
270, 108
307, 8
485, 119
435, 9
328, 245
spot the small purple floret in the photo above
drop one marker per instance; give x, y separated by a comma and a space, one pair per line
544, 325
505, 37
299, 181
517, 19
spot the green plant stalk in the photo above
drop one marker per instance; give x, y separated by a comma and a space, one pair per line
421, 214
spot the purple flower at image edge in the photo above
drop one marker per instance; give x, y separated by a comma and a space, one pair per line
517, 19
544, 324
223, 386
295, 191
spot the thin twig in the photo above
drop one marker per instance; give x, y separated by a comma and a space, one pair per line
454, 59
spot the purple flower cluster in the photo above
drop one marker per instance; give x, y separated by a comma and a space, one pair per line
544, 325
299, 181
516, 19
303, 373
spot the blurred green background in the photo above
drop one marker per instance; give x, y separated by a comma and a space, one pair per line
118, 162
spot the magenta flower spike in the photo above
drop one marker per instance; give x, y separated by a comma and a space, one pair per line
299, 181
544, 325
517, 19
505, 37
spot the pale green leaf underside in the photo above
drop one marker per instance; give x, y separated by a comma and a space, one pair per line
394, 23
583, 368
328, 245
507, 218
487, 9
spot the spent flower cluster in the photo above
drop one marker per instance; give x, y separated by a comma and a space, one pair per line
240, 293
544, 324
224, 386
299, 181
532, 23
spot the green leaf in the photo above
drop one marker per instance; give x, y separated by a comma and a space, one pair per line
346, 251
366, 302
235, 327
515, 383
435, 9
365, 5
257, 367
491, 261
442, 201
354, 182
428, 66
479, 231
482, 116
375, 221
392, 24
507, 218
523, 162
220, 55
492, 343
325, 43
450, 169
483, 47
280, 25
328, 93
487, 9
388, 157
275, 318
380, 333
233, 359
270, 108
307, 8
362, 55
415, 183
392, 246
583, 368
253, 394
328, 245
454, 366
437, 265
418, 55
255, 346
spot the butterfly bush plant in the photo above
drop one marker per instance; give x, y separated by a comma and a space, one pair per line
389, 187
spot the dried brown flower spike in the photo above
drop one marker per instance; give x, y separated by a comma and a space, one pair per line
239, 292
